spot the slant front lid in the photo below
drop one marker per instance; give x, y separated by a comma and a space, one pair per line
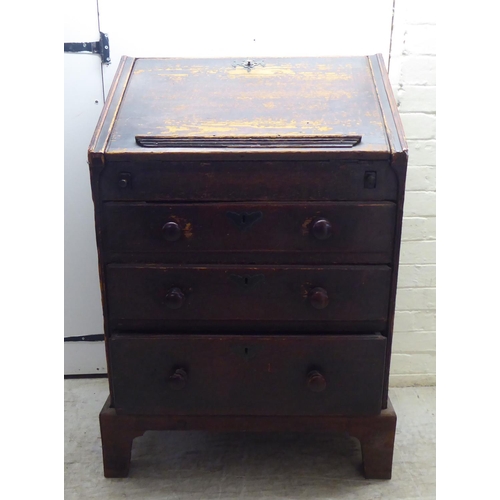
239, 104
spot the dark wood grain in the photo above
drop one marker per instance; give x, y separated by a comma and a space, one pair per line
248, 375
376, 433
247, 294
359, 232
246, 260
253, 142
392, 120
399, 162
211, 98
100, 138
246, 179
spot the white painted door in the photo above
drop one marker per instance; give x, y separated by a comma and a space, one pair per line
260, 28
83, 101
151, 28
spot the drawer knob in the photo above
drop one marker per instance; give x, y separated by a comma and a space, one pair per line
124, 180
178, 379
322, 229
315, 381
318, 297
174, 298
171, 231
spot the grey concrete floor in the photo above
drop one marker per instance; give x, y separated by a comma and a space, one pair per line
205, 466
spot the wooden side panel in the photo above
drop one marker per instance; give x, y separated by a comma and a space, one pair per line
399, 164
235, 375
250, 232
388, 105
106, 121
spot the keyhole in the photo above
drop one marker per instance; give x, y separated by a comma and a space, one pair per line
246, 281
246, 351
244, 218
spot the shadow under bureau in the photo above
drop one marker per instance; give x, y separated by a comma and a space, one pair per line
248, 219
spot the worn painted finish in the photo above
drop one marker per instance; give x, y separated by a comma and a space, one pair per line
249, 375
270, 280
376, 433
210, 98
358, 294
361, 232
244, 177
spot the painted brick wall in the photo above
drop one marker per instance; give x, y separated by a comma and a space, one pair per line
413, 76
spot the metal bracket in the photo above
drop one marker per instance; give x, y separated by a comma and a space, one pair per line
100, 47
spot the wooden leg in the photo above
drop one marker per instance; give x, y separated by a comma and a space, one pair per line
377, 456
377, 444
117, 434
376, 433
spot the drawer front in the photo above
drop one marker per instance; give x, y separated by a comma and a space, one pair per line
338, 232
240, 179
171, 297
248, 375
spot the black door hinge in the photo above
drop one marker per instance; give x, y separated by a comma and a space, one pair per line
85, 338
101, 47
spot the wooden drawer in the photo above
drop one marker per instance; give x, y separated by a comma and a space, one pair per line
251, 297
337, 232
241, 179
248, 375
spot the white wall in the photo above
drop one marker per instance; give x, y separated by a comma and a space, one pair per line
413, 76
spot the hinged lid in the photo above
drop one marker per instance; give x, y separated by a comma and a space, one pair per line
173, 105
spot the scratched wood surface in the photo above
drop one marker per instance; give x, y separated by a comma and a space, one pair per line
248, 375
247, 296
237, 179
360, 232
217, 98
206, 319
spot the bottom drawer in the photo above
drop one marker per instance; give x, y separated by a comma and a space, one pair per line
247, 375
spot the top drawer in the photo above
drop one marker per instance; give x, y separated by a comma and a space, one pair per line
241, 180
285, 232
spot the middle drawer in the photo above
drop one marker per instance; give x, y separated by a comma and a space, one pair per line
246, 232
166, 297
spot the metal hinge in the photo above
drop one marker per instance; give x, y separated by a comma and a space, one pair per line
101, 47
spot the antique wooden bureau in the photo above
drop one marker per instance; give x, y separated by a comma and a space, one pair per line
248, 218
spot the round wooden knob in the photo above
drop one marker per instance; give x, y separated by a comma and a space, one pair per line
322, 229
171, 231
318, 297
178, 379
315, 381
174, 298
